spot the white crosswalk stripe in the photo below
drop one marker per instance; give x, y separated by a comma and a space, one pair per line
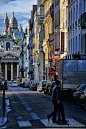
72, 122
34, 115
25, 123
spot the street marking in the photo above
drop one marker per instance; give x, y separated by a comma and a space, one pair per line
29, 108
24, 123
49, 124
26, 105
73, 122
20, 117
4, 127
34, 116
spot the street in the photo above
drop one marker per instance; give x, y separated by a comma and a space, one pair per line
28, 109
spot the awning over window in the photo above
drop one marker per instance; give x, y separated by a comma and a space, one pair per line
52, 72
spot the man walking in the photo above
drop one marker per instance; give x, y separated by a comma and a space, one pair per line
5, 84
57, 101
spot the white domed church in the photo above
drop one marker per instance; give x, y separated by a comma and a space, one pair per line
11, 28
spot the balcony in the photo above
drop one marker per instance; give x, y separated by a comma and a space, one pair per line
41, 36
83, 20
40, 20
26, 64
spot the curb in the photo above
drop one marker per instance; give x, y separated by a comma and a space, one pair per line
3, 120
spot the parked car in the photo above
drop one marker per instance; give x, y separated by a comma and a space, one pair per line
78, 92
14, 84
9, 83
83, 99
33, 85
48, 88
26, 84
42, 85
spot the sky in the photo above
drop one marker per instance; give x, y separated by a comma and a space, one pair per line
22, 11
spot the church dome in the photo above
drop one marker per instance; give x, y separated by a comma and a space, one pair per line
13, 23
20, 29
13, 20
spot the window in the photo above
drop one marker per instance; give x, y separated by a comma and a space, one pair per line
7, 46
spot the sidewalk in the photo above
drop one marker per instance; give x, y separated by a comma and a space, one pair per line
3, 120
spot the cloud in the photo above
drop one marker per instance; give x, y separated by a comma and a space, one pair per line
5, 1
22, 10
24, 24
21, 6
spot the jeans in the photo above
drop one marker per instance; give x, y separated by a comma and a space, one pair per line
51, 114
56, 109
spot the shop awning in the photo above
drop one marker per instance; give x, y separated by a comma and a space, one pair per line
52, 71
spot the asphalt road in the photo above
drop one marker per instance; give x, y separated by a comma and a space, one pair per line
28, 109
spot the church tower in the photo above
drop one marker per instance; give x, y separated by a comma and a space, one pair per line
13, 23
6, 24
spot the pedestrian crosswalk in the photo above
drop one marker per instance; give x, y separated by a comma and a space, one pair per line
26, 123
72, 123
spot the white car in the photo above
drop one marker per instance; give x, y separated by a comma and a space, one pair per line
9, 83
14, 84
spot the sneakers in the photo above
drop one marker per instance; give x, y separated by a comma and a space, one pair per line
65, 121
48, 118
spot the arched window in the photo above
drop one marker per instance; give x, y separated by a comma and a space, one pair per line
7, 46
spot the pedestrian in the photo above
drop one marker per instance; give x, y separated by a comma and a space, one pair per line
5, 84
53, 86
57, 101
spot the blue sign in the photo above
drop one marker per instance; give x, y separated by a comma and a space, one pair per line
61, 52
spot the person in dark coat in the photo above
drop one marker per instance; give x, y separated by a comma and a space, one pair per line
53, 86
51, 114
57, 101
5, 84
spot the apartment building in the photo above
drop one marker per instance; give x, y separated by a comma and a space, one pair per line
49, 28
38, 72
76, 28
63, 28
31, 44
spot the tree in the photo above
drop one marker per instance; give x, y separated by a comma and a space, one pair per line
20, 42
16, 41
4, 36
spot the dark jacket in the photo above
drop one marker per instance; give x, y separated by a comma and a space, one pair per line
5, 83
57, 95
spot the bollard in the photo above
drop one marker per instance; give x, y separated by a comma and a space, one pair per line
4, 101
